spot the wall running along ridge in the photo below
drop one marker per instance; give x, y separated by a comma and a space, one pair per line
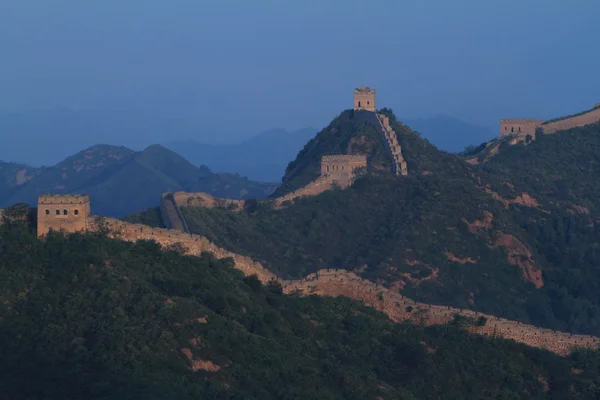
338, 170
344, 283
190, 244
388, 136
171, 214
588, 118
521, 127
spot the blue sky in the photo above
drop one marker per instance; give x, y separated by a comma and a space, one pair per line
259, 64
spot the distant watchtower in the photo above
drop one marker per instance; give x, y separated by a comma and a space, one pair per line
364, 99
68, 212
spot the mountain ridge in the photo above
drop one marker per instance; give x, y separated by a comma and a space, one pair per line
120, 180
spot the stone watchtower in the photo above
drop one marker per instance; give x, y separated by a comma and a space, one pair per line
364, 99
68, 212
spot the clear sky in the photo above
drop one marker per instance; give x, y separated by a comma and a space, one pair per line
258, 64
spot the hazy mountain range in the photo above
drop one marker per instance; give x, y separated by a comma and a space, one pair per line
39, 138
121, 181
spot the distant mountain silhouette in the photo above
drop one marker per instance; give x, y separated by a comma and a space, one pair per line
449, 133
263, 157
46, 137
121, 181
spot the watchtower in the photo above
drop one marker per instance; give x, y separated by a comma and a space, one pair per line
519, 127
68, 212
364, 99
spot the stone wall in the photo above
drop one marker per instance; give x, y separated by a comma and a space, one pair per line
519, 127
587, 118
62, 212
342, 163
200, 199
171, 214
344, 283
400, 308
388, 137
191, 244
364, 99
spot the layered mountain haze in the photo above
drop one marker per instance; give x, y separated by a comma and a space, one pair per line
449, 133
262, 157
121, 181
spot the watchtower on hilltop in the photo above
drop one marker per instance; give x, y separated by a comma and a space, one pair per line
364, 99
68, 212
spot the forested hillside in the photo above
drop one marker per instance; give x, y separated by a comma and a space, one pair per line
517, 237
86, 316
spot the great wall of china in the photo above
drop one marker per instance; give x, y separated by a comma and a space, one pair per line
336, 170
325, 282
71, 213
523, 127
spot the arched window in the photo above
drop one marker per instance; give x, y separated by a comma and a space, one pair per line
359, 104
368, 102
47, 212
76, 212
519, 129
512, 128
65, 212
57, 212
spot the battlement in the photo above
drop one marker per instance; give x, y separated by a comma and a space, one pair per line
520, 127
364, 99
342, 163
63, 199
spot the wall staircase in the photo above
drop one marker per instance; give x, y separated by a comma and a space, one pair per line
171, 214
398, 162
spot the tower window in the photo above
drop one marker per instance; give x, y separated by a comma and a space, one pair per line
76, 212
65, 212
368, 102
57, 212
47, 212
512, 129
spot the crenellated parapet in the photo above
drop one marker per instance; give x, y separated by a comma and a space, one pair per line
364, 99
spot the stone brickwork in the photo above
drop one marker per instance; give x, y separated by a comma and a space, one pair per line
336, 170
399, 166
200, 199
190, 244
519, 127
342, 163
68, 212
590, 117
364, 99
400, 308
171, 214
522, 127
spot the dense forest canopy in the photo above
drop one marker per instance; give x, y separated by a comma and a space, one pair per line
86, 316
